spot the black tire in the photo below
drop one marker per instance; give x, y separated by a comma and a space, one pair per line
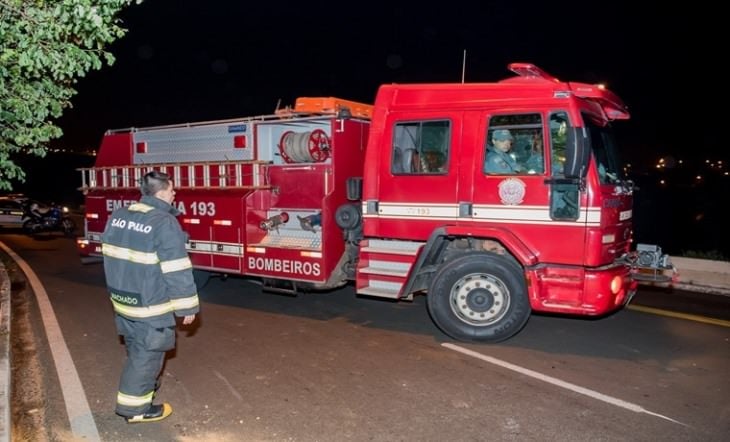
201, 278
348, 217
479, 297
30, 227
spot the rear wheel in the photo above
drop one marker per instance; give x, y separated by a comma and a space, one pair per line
479, 297
31, 227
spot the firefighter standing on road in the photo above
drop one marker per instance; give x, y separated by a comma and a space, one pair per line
150, 280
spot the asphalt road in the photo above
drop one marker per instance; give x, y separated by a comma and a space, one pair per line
335, 367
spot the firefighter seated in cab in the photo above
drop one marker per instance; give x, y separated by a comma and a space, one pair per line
432, 161
535, 163
500, 158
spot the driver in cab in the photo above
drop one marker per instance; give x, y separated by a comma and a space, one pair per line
500, 158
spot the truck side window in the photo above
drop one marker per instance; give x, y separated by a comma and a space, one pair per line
605, 152
559, 124
421, 147
515, 145
564, 198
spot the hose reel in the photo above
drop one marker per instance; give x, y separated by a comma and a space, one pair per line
304, 147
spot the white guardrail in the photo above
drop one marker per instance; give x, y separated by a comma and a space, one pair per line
702, 275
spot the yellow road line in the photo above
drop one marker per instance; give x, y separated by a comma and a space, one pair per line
671, 314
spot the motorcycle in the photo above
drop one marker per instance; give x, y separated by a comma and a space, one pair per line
48, 219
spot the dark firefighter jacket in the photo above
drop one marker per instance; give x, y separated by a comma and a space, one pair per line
148, 272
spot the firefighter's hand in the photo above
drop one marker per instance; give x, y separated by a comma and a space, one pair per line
187, 320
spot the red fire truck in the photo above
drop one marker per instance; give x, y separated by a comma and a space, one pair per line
413, 195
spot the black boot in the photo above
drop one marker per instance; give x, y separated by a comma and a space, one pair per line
154, 413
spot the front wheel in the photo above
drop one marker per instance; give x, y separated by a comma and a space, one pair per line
479, 297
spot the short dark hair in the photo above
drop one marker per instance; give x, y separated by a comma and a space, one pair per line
153, 182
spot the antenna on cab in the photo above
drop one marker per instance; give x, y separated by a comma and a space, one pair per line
463, 67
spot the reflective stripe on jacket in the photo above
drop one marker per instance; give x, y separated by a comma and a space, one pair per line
148, 270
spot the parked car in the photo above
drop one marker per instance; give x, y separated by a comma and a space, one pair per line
14, 209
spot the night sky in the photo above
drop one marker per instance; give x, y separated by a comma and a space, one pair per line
192, 60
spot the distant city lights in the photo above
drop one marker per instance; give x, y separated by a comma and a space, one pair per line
669, 163
705, 171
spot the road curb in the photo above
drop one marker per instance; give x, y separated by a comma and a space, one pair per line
5, 422
700, 288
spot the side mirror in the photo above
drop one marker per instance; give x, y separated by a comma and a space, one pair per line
577, 153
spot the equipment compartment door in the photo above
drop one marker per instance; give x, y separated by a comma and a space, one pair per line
226, 234
212, 221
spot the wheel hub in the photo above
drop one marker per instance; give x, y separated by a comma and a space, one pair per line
479, 299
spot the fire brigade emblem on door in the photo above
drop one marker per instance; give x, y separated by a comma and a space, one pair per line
512, 191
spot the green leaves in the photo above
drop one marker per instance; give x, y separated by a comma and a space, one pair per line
45, 46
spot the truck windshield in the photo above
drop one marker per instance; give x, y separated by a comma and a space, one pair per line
605, 152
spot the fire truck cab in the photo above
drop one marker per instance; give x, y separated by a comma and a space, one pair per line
492, 199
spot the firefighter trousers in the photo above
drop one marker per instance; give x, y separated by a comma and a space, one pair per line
146, 346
